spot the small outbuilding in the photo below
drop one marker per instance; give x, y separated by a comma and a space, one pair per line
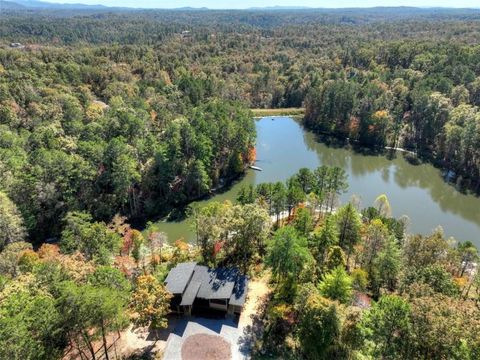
194, 285
17, 45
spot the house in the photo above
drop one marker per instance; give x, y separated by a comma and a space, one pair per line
186, 34
198, 286
17, 45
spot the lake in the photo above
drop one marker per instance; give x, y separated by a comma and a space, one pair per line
418, 191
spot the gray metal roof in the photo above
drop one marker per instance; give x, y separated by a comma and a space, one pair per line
222, 286
192, 281
190, 293
215, 283
202, 275
239, 294
178, 277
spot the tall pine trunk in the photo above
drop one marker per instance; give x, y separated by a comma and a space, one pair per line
104, 338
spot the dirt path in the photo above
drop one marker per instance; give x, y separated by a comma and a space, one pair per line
141, 340
257, 293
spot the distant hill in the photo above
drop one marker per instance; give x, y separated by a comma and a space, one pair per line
10, 5
280, 8
43, 5
34, 4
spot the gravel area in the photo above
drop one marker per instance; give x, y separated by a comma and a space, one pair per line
206, 347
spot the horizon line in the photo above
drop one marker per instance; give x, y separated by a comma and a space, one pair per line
272, 7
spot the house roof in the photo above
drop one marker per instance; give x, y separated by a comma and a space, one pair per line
222, 283
239, 294
203, 275
198, 281
179, 277
190, 293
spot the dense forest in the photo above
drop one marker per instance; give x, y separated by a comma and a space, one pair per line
82, 131
110, 118
95, 87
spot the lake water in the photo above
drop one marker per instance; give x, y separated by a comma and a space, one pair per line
283, 147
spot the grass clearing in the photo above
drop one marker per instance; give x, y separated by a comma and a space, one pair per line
279, 112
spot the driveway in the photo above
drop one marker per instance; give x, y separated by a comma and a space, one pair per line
239, 333
227, 329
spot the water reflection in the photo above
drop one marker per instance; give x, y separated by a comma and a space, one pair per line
417, 191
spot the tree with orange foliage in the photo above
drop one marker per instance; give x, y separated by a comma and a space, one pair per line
125, 264
150, 302
48, 251
127, 243
251, 155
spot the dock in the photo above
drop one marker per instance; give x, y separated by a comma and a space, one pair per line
255, 168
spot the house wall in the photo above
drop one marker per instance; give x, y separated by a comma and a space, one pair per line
219, 305
233, 309
187, 310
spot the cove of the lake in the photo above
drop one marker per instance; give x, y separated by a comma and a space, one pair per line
418, 191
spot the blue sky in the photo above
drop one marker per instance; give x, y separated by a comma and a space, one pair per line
236, 4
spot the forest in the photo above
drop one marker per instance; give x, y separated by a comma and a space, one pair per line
116, 114
111, 119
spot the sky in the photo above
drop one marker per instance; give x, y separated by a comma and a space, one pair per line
236, 4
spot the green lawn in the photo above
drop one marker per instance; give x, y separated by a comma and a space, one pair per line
277, 112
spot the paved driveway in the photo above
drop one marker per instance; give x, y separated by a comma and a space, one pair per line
227, 329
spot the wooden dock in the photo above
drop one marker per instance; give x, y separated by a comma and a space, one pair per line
255, 168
